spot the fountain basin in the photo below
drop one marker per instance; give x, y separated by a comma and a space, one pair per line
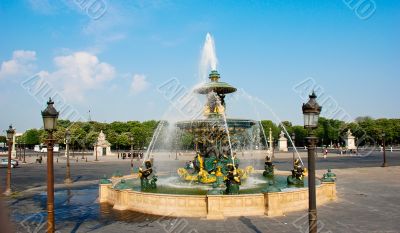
214, 206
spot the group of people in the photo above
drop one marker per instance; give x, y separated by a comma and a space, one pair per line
129, 155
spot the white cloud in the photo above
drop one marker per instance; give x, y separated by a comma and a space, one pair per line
21, 64
139, 83
78, 73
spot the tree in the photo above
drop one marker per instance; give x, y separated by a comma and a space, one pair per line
187, 141
3, 139
300, 134
32, 137
59, 135
91, 138
123, 140
63, 123
111, 137
267, 124
118, 127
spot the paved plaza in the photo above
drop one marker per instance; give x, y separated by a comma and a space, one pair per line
367, 200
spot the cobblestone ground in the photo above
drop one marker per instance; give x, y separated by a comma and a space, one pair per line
368, 201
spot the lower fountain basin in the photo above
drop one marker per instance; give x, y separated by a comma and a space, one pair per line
178, 202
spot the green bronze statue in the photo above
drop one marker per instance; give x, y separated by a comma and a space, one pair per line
270, 188
329, 176
144, 175
215, 190
122, 185
232, 181
269, 167
105, 180
298, 173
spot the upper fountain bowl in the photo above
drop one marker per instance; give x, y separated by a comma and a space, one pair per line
215, 85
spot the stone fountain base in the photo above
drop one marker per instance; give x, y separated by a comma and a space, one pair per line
214, 206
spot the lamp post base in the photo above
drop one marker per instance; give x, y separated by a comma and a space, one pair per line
7, 192
68, 181
384, 165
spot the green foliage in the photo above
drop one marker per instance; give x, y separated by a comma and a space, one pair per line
300, 135
187, 140
32, 137
84, 134
267, 124
3, 139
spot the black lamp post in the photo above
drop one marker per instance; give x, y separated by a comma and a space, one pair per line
176, 145
131, 139
311, 111
384, 164
95, 147
83, 149
10, 137
294, 145
24, 151
68, 179
50, 116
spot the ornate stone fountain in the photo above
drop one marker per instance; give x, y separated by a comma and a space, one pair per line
215, 169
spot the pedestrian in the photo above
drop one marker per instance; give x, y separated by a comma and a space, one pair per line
325, 152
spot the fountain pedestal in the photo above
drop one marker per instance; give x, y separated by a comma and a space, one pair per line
282, 143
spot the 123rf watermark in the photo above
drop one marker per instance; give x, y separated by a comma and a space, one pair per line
364, 9
331, 109
95, 9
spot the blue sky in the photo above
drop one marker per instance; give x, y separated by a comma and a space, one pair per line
113, 64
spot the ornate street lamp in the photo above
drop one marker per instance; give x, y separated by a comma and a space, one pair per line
294, 145
10, 137
68, 179
95, 147
384, 164
131, 139
83, 149
311, 111
50, 116
24, 150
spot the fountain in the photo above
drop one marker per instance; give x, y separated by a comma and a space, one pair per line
215, 183
213, 135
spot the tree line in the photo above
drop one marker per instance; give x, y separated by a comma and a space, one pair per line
122, 135
367, 130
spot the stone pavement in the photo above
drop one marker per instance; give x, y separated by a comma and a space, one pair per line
368, 201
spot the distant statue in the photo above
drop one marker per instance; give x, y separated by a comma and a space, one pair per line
144, 177
349, 133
